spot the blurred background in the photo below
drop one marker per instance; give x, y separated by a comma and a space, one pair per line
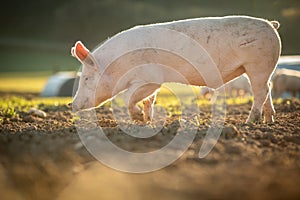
41, 156
38, 35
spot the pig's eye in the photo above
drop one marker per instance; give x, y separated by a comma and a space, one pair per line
86, 78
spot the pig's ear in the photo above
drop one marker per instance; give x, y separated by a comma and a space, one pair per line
83, 54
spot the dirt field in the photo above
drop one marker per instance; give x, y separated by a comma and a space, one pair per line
43, 158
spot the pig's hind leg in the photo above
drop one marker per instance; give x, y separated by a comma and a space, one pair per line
260, 85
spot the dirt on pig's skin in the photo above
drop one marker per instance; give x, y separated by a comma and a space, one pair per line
43, 158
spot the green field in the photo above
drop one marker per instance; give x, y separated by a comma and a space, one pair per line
171, 96
32, 82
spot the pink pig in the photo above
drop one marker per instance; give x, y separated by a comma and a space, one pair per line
236, 44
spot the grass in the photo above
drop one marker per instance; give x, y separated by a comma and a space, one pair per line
172, 97
21, 103
25, 82
32, 82
10, 106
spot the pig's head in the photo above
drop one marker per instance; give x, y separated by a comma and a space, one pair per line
86, 94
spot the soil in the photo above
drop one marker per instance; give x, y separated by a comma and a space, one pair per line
43, 158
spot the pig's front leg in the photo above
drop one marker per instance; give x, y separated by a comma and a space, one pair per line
135, 94
131, 100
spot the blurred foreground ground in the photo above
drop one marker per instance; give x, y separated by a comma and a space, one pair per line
42, 158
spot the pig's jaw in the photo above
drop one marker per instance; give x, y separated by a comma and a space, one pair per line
86, 103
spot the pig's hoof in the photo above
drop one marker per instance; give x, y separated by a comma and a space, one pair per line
147, 119
269, 119
138, 117
254, 117
249, 122
253, 121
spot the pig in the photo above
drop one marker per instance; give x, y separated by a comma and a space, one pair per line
235, 44
286, 80
236, 87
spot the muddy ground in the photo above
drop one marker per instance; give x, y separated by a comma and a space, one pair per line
43, 158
